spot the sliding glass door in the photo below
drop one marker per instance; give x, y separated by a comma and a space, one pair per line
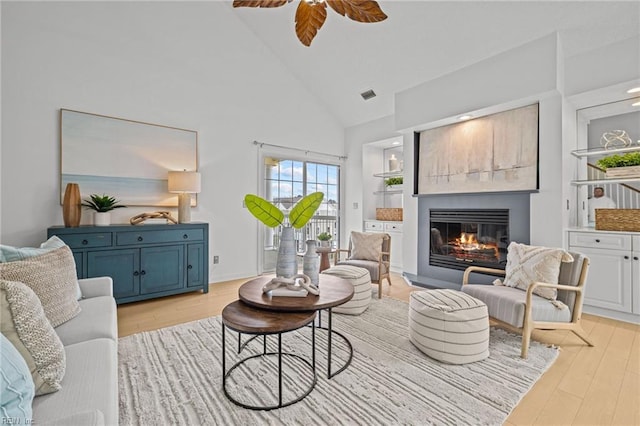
286, 182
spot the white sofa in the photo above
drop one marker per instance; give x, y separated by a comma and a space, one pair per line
89, 394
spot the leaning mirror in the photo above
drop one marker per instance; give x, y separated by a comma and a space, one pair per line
126, 159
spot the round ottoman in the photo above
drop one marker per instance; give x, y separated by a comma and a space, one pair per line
361, 281
449, 326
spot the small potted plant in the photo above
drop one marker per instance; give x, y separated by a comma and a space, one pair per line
621, 165
102, 206
324, 238
394, 183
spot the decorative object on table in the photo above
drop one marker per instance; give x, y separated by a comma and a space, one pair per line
394, 164
621, 165
184, 183
311, 14
102, 206
139, 218
615, 139
297, 286
270, 215
72, 206
324, 238
311, 262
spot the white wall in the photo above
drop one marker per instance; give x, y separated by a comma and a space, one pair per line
190, 65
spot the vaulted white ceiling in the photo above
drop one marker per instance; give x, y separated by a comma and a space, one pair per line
422, 40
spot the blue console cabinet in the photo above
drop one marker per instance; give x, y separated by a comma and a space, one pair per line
145, 261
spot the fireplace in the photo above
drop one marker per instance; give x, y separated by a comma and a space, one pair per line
465, 237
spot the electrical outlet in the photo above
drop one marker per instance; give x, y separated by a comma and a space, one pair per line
216, 259
355, 206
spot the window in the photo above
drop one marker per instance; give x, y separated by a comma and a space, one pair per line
286, 182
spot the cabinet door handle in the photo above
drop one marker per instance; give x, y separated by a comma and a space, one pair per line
191, 266
185, 236
140, 238
626, 257
143, 272
85, 242
635, 257
136, 273
597, 240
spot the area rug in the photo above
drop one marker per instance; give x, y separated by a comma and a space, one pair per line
174, 376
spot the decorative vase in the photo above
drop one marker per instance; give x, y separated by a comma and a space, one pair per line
311, 262
71, 206
325, 244
102, 218
287, 263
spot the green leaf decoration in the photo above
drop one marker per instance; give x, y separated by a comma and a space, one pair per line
304, 209
263, 210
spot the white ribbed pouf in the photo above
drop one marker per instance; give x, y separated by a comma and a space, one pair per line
361, 281
449, 325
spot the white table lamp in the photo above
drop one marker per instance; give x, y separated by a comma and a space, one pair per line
184, 183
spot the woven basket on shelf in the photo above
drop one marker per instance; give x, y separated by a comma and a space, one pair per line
389, 214
618, 220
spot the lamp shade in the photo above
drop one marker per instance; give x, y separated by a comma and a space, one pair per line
184, 182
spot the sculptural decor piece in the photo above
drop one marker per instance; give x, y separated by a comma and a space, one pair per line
270, 215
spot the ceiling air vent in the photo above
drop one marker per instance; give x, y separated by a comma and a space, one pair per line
368, 94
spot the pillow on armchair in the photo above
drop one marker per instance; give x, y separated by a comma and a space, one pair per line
366, 245
527, 264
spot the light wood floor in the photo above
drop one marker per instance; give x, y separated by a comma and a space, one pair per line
586, 386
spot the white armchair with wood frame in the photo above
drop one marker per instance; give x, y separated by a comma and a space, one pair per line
523, 311
371, 251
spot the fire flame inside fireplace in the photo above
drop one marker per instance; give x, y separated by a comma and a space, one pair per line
469, 244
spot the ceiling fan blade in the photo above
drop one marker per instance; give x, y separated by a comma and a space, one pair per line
359, 10
259, 3
309, 19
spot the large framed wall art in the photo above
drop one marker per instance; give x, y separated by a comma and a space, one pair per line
126, 159
494, 153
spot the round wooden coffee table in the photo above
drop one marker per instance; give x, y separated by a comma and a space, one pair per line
242, 318
334, 291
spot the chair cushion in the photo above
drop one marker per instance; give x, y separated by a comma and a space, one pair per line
16, 385
88, 386
361, 281
52, 276
366, 245
507, 304
97, 319
23, 322
369, 265
527, 264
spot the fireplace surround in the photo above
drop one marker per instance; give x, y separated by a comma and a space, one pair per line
517, 208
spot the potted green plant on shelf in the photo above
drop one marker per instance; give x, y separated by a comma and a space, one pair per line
324, 238
394, 183
621, 165
102, 206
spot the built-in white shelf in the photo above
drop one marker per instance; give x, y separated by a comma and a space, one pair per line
600, 151
389, 174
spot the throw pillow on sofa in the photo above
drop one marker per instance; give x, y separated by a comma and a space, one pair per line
527, 264
23, 322
16, 385
12, 254
52, 276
